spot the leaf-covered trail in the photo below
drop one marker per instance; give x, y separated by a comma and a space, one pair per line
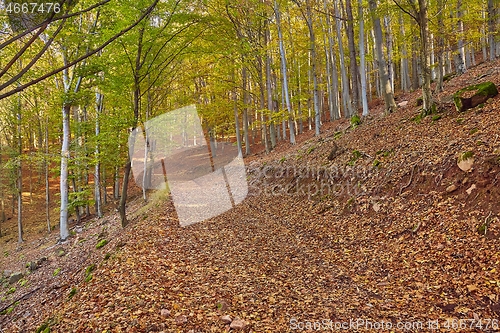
271, 262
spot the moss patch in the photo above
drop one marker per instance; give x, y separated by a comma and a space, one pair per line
482, 90
466, 155
101, 243
355, 121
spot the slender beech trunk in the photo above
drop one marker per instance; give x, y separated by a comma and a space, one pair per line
314, 74
63, 217
440, 49
116, 182
353, 66
491, 28
362, 61
334, 112
236, 118
97, 171
415, 82
245, 110
390, 104
329, 88
136, 109
47, 184
388, 41
19, 180
269, 88
346, 97
20, 187
75, 191
2, 195
405, 68
262, 105
284, 73
424, 56
461, 66
432, 57
484, 35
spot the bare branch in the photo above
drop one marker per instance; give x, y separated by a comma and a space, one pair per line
407, 12
34, 60
91, 53
50, 20
23, 49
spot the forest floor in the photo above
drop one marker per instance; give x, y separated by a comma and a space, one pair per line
369, 227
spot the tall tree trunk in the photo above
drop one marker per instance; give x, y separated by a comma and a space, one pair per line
390, 104
461, 66
491, 29
245, 110
104, 186
484, 34
136, 109
30, 168
47, 184
432, 61
77, 196
284, 73
424, 56
262, 105
353, 66
63, 217
440, 49
346, 97
19, 172
334, 111
312, 41
269, 88
116, 182
2, 194
329, 88
236, 118
388, 41
362, 62
405, 68
97, 171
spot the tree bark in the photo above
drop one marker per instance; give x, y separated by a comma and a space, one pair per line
346, 97
388, 41
440, 49
353, 66
491, 29
424, 56
390, 104
461, 65
47, 184
63, 216
362, 65
405, 68
236, 119
269, 88
262, 105
136, 108
334, 111
97, 171
284, 73
245, 110
2, 194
